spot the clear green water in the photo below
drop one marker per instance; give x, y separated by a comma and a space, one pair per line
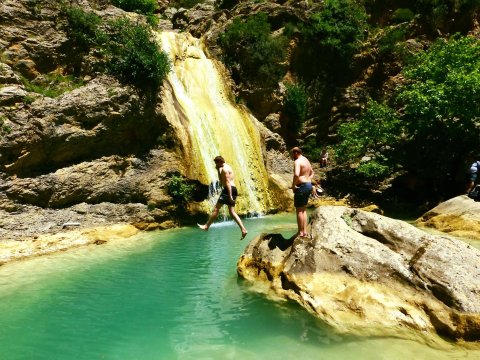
169, 295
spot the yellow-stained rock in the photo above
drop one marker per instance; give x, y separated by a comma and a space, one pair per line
459, 216
366, 274
46, 244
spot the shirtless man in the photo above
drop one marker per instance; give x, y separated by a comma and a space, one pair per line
227, 197
302, 187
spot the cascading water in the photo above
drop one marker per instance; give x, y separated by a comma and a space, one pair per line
196, 103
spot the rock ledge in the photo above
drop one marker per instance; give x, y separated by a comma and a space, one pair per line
367, 274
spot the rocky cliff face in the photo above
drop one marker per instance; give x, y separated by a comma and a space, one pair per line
100, 142
362, 272
98, 147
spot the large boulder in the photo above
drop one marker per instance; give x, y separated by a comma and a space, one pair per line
364, 273
459, 216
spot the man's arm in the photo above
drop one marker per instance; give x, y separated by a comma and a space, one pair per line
296, 173
229, 187
227, 176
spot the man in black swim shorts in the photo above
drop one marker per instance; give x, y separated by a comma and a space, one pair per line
227, 197
302, 187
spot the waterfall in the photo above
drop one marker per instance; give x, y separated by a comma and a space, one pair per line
196, 102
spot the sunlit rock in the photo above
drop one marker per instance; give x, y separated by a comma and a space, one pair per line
459, 216
7, 76
367, 274
49, 243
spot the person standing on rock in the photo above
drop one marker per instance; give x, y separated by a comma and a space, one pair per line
472, 176
324, 158
227, 197
302, 188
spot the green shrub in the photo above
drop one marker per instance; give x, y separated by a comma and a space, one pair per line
180, 189
337, 29
389, 42
250, 48
441, 104
4, 129
373, 170
28, 99
295, 105
82, 27
145, 7
403, 15
377, 128
51, 85
312, 149
433, 123
134, 56
128, 49
151, 206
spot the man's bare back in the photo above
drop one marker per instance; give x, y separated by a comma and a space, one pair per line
303, 172
225, 174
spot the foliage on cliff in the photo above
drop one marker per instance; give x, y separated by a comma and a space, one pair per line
431, 124
134, 56
251, 52
126, 49
386, 83
180, 189
145, 7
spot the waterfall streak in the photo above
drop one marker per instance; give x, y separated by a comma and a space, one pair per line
208, 124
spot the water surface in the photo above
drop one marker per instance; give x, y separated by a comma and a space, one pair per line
169, 295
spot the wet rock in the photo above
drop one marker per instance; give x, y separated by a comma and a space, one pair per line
364, 273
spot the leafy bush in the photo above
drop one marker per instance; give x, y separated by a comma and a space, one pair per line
313, 149
295, 105
377, 128
145, 7
250, 49
338, 28
128, 49
441, 104
82, 27
403, 15
389, 42
133, 55
434, 124
4, 128
180, 189
373, 170
51, 85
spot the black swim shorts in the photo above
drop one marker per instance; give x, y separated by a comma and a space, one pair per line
225, 199
302, 193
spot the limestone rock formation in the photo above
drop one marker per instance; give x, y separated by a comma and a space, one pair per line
368, 274
99, 152
459, 216
98, 155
